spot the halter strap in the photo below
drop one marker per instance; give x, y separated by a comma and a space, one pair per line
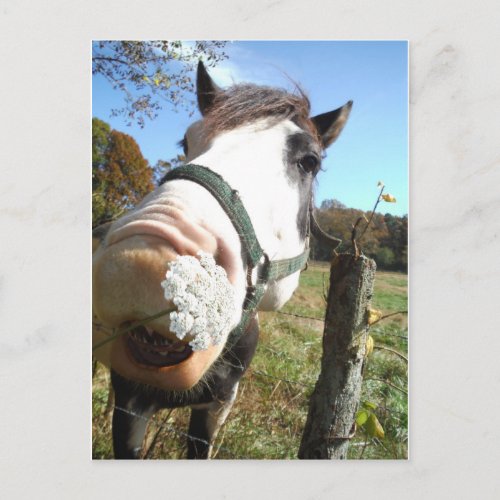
228, 199
232, 205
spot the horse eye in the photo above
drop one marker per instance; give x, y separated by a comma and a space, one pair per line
308, 163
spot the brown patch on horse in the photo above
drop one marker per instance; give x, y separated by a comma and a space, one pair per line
245, 103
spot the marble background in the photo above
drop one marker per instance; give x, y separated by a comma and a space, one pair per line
45, 248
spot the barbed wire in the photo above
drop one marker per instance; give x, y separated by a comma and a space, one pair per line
170, 428
313, 318
403, 337
390, 384
165, 426
393, 351
288, 358
283, 313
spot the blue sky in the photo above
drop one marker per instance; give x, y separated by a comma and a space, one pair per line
374, 143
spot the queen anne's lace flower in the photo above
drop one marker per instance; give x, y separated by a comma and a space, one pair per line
204, 298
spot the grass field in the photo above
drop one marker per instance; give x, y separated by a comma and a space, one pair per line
269, 414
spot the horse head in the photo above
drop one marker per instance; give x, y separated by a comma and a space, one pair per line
262, 142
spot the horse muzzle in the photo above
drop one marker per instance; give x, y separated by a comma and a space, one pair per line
128, 269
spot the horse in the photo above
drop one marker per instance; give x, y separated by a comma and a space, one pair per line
244, 197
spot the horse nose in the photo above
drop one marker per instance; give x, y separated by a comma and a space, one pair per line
126, 280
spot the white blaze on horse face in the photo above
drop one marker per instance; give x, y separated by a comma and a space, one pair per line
253, 160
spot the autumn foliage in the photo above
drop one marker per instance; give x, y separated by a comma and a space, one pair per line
386, 239
121, 176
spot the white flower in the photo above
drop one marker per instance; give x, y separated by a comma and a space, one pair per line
180, 323
204, 298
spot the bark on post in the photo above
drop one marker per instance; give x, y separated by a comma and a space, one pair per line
335, 400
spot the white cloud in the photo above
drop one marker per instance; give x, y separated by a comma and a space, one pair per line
227, 73
243, 65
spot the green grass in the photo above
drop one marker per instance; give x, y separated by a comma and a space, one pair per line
268, 417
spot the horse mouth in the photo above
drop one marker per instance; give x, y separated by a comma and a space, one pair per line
149, 348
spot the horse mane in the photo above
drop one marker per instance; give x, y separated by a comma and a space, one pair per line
245, 103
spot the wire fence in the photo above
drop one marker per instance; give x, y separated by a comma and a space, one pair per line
165, 426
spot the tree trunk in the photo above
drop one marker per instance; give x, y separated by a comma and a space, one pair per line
335, 400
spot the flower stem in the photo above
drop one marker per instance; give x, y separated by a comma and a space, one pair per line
130, 327
372, 214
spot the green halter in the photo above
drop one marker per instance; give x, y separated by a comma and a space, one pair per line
270, 270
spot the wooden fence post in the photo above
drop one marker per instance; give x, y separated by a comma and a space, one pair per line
335, 400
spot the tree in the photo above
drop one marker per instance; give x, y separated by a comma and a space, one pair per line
121, 176
385, 258
386, 239
162, 167
398, 238
149, 73
332, 203
100, 143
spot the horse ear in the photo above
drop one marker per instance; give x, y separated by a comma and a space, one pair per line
329, 125
206, 89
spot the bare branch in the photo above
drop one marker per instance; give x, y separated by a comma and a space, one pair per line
373, 212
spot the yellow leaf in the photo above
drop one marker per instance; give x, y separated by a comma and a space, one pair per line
369, 346
373, 316
388, 198
157, 81
145, 78
373, 427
